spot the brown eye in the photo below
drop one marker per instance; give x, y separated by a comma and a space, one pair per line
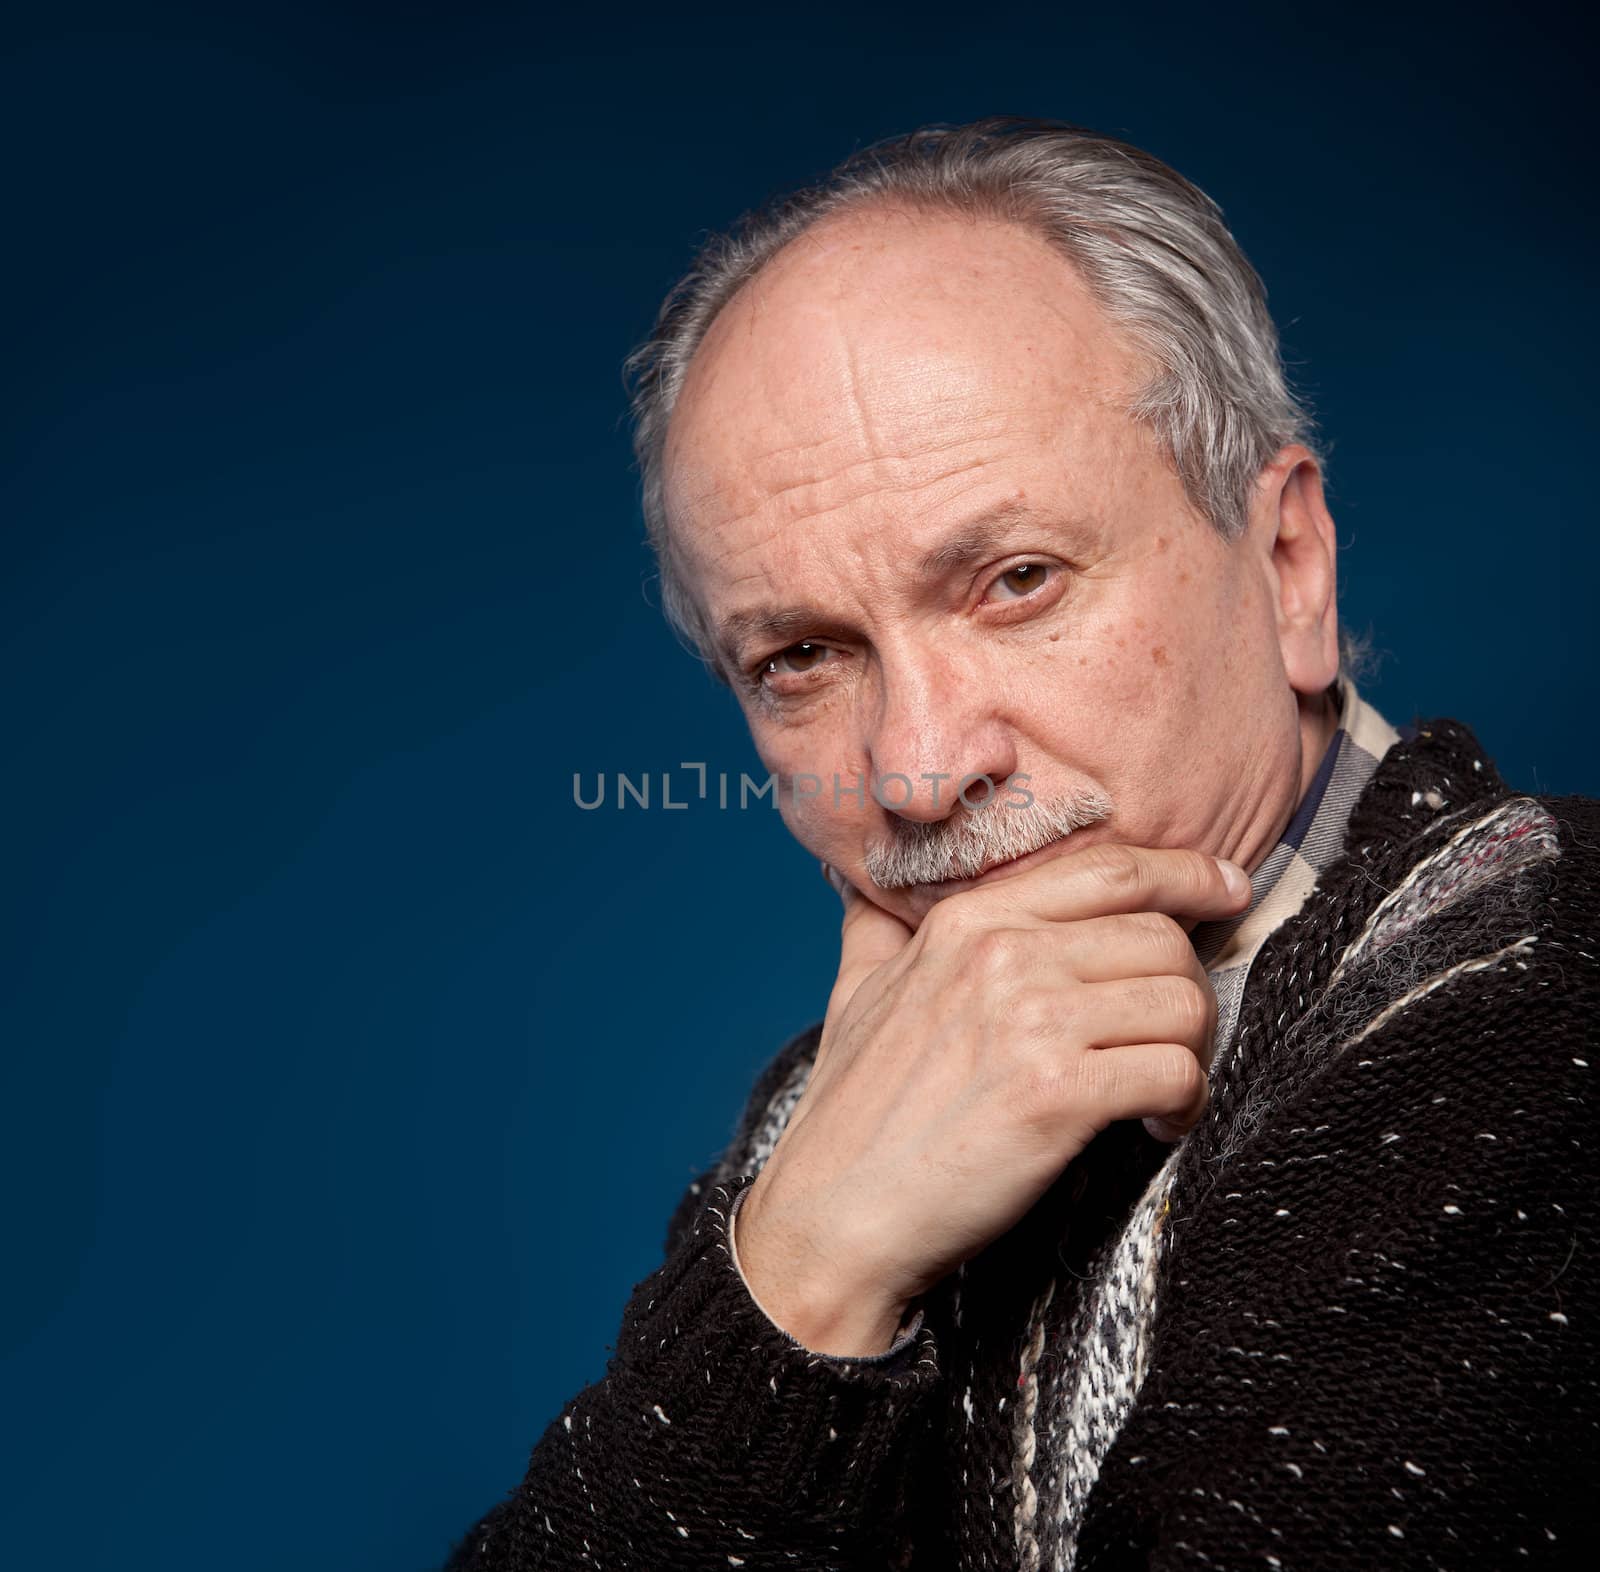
1023, 579
797, 658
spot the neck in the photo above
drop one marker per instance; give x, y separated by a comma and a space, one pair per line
1319, 720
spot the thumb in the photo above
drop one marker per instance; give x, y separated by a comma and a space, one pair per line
868, 936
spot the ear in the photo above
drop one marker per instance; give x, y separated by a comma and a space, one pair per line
1293, 531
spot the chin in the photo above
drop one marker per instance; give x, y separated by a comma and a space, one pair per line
911, 906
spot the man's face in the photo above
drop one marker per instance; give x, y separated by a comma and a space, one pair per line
902, 479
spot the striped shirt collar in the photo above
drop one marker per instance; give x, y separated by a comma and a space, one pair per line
1313, 839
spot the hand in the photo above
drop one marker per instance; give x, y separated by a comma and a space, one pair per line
962, 1068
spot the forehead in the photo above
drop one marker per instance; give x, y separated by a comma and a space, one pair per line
880, 346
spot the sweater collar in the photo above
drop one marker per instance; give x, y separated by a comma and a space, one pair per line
1313, 839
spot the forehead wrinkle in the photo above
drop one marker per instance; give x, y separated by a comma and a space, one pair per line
872, 410
875, 487
786, 521
966, 402
860, 402
963, 440
697, 484
873, 407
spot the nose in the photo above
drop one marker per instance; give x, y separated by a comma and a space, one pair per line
937, 733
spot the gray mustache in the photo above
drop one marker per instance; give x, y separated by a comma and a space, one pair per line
959, 847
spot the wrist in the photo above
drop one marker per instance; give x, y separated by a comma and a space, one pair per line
824, 1316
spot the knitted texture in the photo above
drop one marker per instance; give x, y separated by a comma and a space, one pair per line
1343, 1324
713, 1439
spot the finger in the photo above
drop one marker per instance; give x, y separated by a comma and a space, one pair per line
1130, 944
1160, 1083
1104, 880
868, 937
1143, 1010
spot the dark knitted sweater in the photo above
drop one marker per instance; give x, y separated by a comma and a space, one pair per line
1373, 1264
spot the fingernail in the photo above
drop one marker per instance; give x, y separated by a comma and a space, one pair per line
1237, 880
1162, 1130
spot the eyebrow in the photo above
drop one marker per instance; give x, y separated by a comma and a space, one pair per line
974, 540
964, 544
770, 627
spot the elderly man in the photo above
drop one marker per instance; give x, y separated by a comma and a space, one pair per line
1192, 1166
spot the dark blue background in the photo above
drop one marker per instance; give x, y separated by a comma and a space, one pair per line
350, 1071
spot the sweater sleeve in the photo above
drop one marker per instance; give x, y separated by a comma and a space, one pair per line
714, 1439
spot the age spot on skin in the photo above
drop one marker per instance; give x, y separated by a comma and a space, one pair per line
1159, 655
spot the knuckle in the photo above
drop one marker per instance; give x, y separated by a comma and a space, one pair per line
945, 922
1118, 868
1035, 1014
994, 953
1109, 1081
1162, 1080
1165, 939
1200, 871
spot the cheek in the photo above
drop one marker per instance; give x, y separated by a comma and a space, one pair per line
1169, 648
835, 834
1104, 676
824, 795
1125, 691
792, 753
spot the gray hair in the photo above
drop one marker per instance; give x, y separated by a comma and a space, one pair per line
1151, 248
